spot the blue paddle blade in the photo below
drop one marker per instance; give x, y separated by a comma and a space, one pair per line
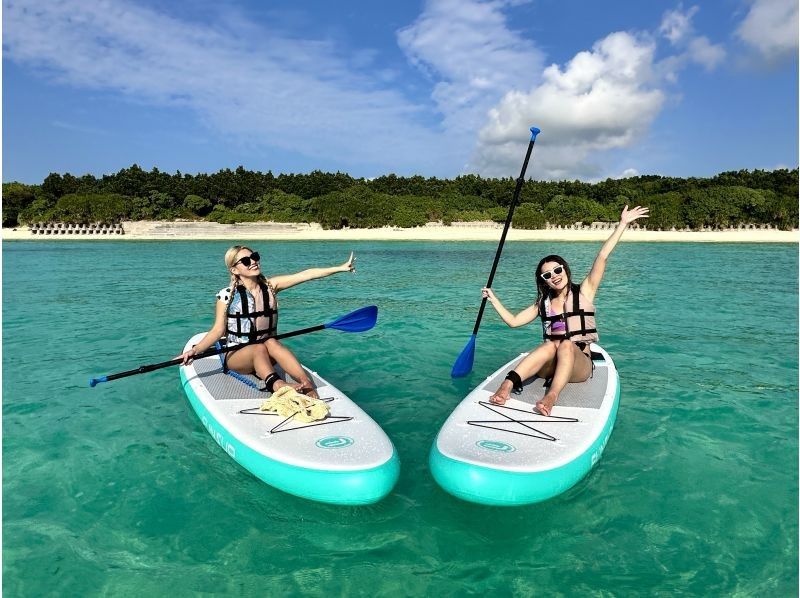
356, 321
463, 364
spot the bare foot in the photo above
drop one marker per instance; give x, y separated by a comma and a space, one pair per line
279, 384
501, 394
546, 404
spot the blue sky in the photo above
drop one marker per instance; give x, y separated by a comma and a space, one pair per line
435, 88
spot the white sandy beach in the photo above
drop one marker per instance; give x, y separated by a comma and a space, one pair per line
193, 231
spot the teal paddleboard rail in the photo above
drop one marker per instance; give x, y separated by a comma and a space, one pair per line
359, 487
503, 488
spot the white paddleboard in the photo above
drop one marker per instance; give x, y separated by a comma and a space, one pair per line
512, 455
344, 459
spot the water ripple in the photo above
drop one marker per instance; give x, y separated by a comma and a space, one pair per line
118, 490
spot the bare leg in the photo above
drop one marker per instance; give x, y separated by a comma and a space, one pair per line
572, 365
540, 357
254, 359
287, 360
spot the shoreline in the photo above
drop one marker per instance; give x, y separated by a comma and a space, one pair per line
464, 231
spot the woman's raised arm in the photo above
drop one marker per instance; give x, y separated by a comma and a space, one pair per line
592, 281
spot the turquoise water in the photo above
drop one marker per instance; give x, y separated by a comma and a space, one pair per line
120, 491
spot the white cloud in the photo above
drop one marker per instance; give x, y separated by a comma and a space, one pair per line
602, 100
489, 82
469, 49
704, 53
249, 84
676, 25
771, 28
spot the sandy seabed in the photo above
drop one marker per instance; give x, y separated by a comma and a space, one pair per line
195, 231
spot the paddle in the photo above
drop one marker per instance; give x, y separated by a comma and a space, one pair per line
463, 364
357, 321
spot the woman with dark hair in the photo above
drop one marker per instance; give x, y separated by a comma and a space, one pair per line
566, 310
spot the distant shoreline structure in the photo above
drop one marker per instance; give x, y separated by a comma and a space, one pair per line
433, 231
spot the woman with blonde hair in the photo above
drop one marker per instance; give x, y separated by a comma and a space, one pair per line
247, 312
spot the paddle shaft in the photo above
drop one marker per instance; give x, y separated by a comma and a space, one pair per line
207, 353
507, 225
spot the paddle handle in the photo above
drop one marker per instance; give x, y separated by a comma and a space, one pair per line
142, 369
517, 189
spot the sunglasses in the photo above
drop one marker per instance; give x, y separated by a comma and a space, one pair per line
549, 274
248, 259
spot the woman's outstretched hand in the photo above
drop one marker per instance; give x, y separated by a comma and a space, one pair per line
349, 265
629, 216
488, 293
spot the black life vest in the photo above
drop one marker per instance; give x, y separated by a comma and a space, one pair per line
578, 320
242, 318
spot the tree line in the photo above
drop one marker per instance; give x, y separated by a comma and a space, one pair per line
337, 200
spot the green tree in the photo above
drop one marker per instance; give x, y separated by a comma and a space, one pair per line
156, 206
336, 199
224, 215
16, 197
196, 204
569, 209
466, 216
280, 206
665, 211
128, 181
707, 207
83, 208
357, 207
529, 216
41, 210
406, 216
782, 212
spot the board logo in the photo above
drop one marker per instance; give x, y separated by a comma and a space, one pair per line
496, 445
334, 442
599, 452
219, 438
